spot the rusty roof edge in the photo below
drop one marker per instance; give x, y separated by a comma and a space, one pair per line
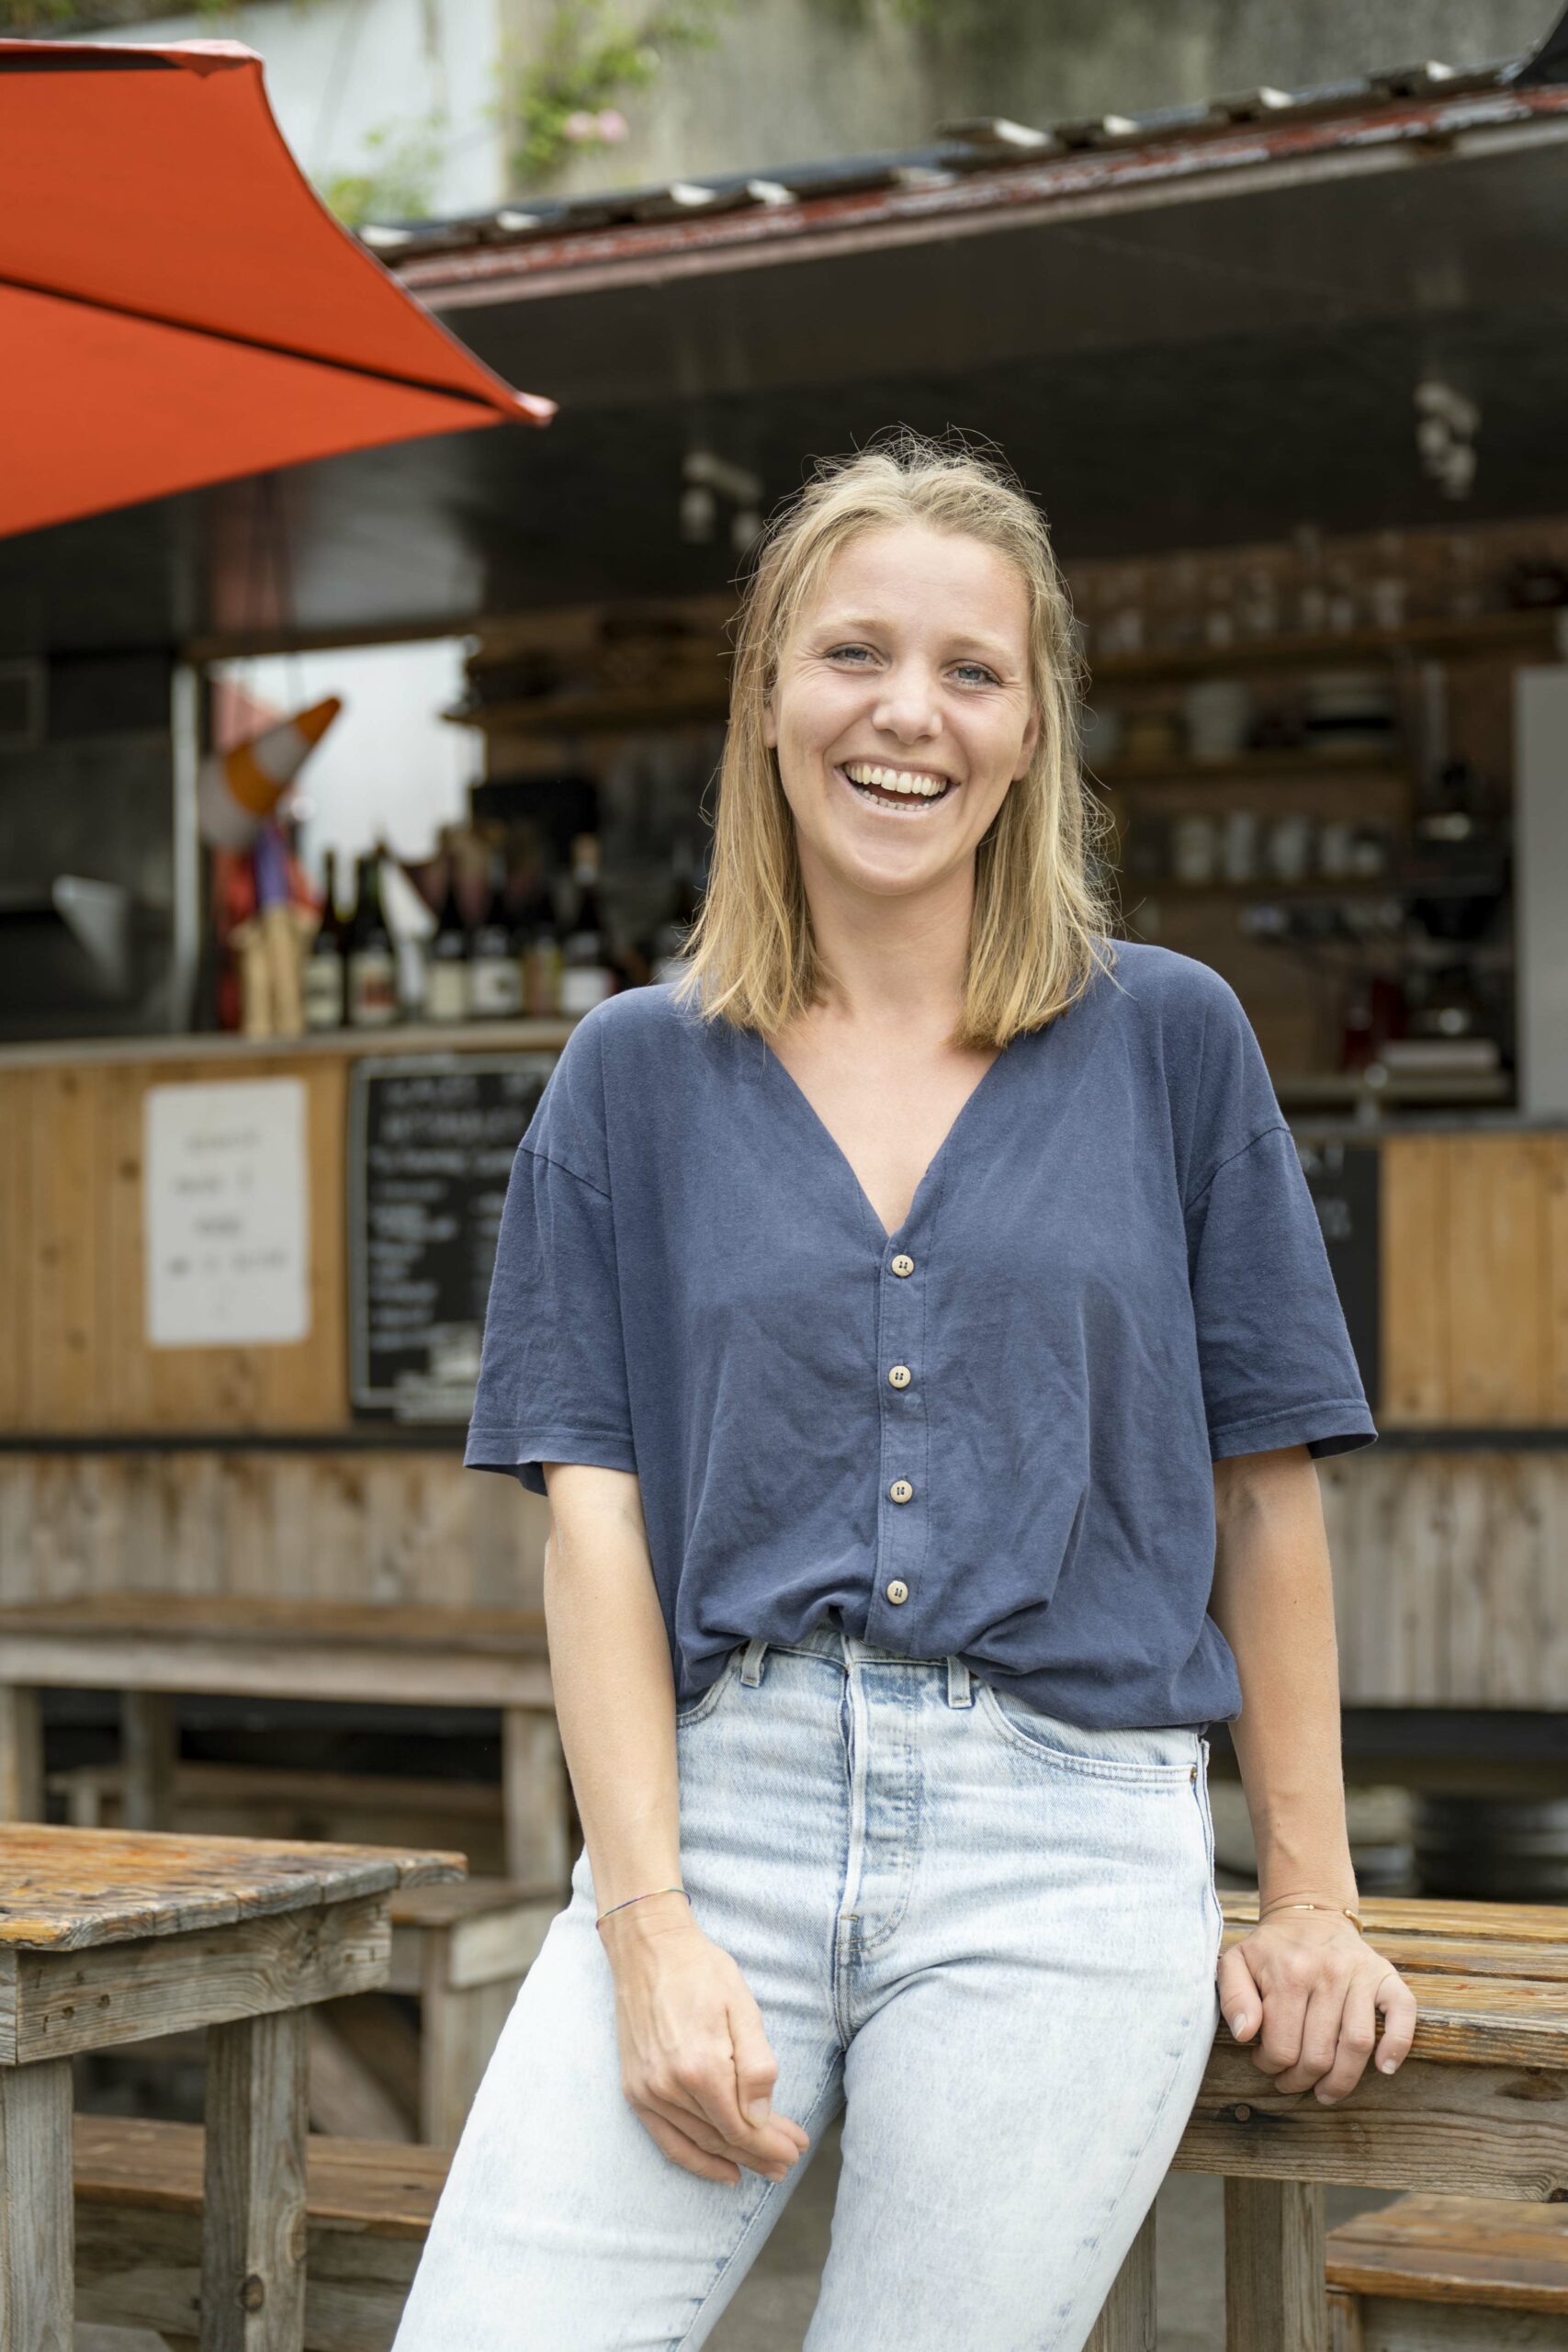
791, 225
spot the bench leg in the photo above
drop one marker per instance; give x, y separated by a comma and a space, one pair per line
458, 2029
1276, 2291
253, 2245
534, 1783
36, 2208
21, 1754
1126, 2322
149, 1734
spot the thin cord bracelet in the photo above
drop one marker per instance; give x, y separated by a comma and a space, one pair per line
1354, 1916
641, 1898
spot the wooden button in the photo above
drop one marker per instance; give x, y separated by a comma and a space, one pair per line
900, 1490
900, 1375
902, 1265
898, 1589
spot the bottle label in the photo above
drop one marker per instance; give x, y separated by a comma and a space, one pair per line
446, 993
323, 992
583, 986
497, 985
372, 988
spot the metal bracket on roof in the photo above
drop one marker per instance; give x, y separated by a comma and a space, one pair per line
1251, 106
993, 132
1101, 130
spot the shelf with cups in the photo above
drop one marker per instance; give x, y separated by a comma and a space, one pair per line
1451, 637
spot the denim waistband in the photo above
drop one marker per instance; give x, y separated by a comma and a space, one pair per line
831, 1641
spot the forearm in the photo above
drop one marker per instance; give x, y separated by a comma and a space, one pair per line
1273, 1599
615, 1695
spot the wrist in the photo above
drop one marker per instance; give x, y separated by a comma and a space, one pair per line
642, 1917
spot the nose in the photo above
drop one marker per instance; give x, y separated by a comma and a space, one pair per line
908, 706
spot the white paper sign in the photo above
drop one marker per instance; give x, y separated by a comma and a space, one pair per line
227, 1213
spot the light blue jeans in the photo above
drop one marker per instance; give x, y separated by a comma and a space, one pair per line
990, 1937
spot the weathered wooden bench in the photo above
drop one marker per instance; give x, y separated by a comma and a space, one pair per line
1450, 2273
464, 1948
151, 1646
1478, 2109
139, 2223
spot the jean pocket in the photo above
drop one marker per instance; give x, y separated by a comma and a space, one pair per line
1206, 1811
1164, 1756
697, 1709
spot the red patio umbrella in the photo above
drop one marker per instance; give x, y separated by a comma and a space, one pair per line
176, 305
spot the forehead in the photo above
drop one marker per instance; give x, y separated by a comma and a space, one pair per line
909, 572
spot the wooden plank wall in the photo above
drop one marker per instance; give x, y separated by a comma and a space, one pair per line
1474, 1283
362, 1526
74, 1353
1450, 1567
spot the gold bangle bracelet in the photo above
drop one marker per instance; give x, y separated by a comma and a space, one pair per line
1354, 1916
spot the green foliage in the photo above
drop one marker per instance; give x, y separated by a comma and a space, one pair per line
399, 179
591, 56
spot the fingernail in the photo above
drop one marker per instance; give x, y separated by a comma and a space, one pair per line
1238, 2023
1387, 2064
759, 2111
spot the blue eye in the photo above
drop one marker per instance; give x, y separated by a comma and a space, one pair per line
988, 675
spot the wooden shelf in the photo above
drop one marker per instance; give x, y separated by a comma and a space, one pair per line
1483, 634
543, 1036
589, 714
1247, 766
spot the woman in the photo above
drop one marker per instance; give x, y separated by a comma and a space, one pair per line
918, 1322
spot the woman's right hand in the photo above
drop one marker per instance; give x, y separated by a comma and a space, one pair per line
695, 2064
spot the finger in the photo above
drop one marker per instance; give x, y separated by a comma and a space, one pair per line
1240, 2000
681, 2149
1284, 2013
706, 2103
699, 2131
1321, 2018
756, 2072
1358, 2032
1395, 1998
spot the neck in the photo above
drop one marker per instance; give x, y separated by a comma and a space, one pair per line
892, 959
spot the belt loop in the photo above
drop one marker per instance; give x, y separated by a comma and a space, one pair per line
751, 1664
958, 1692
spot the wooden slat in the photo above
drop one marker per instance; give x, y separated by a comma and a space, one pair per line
1526, 1923
1468, 2131
67, 1357
253, 2249
1553, 1151
15, 1271
1274, 2283
1497, 1281
1414, 1304
36, 2209
374, 2186
63, 1889
55, 2004
1503, 2252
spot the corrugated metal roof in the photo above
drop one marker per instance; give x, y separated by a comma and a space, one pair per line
973, 167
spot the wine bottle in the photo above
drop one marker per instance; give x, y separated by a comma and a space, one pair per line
670, 939
325, 975
541, 952
586, 977
448, 983
372, 956
495, 973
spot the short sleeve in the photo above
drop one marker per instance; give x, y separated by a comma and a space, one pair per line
1277, 1364
552, 1384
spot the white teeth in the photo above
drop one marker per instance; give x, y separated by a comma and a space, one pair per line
896, 779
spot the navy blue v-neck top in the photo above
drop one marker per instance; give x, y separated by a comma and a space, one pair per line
989, 1433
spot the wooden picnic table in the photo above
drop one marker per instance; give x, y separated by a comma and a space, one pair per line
111, 1936
1478, 2109
152, 1646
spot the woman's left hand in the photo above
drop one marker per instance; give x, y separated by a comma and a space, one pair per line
1315, 1987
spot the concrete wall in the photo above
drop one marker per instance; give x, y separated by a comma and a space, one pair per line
791, 80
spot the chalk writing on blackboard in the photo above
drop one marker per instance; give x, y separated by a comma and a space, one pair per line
431, 1146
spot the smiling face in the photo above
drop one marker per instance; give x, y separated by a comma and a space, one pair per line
903, 709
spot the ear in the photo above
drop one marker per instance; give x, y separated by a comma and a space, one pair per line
1030, 738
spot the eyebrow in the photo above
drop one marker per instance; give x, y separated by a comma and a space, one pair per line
847, 624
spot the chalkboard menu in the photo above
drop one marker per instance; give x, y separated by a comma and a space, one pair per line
431, 1145
1343, 1180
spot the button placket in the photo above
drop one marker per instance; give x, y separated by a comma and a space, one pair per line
899, 1372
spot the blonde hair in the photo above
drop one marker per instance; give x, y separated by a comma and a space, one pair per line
1039, 918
